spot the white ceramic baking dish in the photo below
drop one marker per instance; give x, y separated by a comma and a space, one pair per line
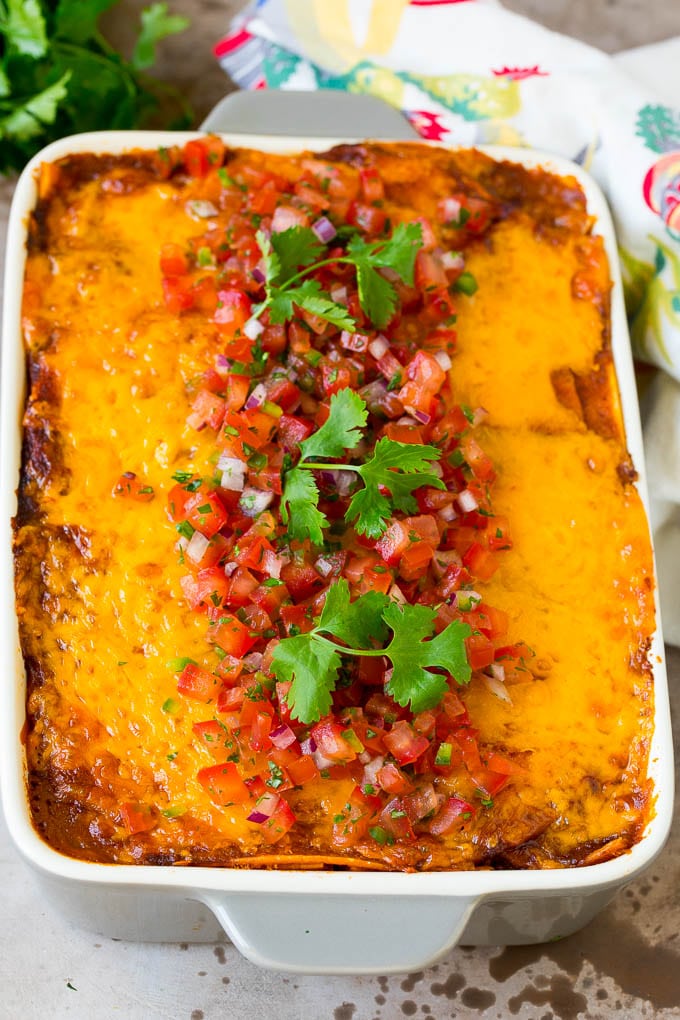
299, 921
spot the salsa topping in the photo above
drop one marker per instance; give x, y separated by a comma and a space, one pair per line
336, 547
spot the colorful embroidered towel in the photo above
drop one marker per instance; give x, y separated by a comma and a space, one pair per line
469, 72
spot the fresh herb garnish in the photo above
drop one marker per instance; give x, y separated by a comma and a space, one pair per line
290, 256
58, 75
312, 661
398, 467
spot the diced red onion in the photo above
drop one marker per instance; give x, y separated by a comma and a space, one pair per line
444, 558
258, 273
230, 568
373, 393
496, 687
479, 415
282, 737
308, 746
423, 801
253, 661
324, 566
467, 501
422, 417
265, 806
286, 216
449, 209
379, 347
497, 670
396, 594
254, 501
196, 421
324, 229
253, 328
444, 361
437, 469
452, 260
201, 209
447, 513
273, 564
233, 473
257, 397
372, 768
406, 420
339, 293
197, 546
222, 365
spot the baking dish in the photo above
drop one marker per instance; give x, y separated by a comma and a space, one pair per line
320, 922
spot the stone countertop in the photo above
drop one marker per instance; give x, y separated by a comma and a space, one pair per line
626, 963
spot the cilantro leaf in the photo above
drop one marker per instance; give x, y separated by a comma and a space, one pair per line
311, 661
398, 467
157, 24
358, 623
29, 118
412, 683
377, 296
270, 260
340, 431
312, 664
313, 299
23, 27
371, 510
299, 507
76, 20
295, 248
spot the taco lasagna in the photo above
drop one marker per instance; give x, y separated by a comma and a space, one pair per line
328, 549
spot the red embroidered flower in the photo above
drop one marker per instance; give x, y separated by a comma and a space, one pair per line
427, 124
518, 73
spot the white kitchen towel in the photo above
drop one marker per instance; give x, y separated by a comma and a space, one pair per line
469, 72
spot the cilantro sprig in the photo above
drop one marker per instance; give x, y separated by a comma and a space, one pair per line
59, 75
390, 475
311, 661
289, 257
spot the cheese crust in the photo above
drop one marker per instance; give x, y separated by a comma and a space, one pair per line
98, 590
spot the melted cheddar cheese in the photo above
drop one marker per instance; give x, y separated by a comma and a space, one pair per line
98, 584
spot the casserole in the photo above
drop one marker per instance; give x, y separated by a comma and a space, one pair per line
495, 910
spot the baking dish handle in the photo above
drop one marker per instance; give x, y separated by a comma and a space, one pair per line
340, 934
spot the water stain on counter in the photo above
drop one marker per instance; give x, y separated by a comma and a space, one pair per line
613, 949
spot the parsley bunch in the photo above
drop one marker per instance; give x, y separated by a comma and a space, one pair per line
312, 660
59, 76
399, 468
291, 256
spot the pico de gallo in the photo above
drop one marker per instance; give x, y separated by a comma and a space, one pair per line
316, 286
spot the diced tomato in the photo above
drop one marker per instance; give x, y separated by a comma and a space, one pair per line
206, 513
481, 562
369, 218
198, 684
209, 587
130, 486
430, 273
260, 730
207, 409
404, 433
173, 261
393, 542
480, 651
292, 431
138, 817
273, 339
454, 813
224, 784
301, 579
270, 596
279, 824
415, 560
215, 737
304, 770
177, 294
240, 587
297, 619
231, 635
498, 536
404, 744
328, 737
391, 779
233, 309
229, 669
372, 185
203, 154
